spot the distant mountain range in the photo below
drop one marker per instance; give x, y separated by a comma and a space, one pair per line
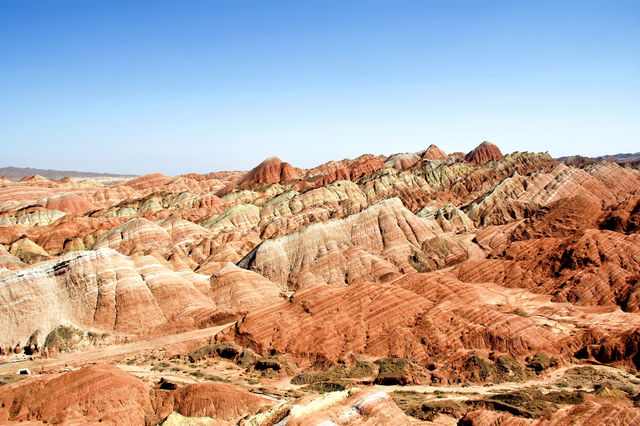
626, 159
17, 173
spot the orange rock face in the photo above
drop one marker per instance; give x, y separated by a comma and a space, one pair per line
104, 393
483, 153
434, 153
271, 170
394, 319
96, 393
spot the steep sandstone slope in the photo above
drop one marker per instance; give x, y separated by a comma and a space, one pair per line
346, 169
402, 161
373, 245
520, 196
104, 393
105, 291
565, 250
271, 170
433, 318
483, 153
276, 209
433, 152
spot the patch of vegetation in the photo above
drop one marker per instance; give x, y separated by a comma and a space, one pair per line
523, 403
63, 338
161, 366
565, 397
531, 410
12, 378
293, 394
359, 370
480, 369
223, 350
395, 371
589, 377
273, 362
507, 368
609, 390
430, 409
540, 362
414, 404
197, 373
247, 358
582, 373
330, 386
532, 403
217, 379
95, 337
408, 401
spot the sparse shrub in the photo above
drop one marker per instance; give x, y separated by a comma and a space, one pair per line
63, 338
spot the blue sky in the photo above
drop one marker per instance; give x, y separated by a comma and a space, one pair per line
181, 86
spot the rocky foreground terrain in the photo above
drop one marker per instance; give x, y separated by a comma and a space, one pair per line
472, 289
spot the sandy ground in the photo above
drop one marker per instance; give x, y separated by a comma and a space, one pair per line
104, 353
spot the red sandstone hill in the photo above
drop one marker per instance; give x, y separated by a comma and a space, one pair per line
483, 153
271, 170
104, 393
434, 153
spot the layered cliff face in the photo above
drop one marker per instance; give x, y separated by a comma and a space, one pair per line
483, 153
271, 170
373, 245
448, 262
430, 318
104, 291
433, 153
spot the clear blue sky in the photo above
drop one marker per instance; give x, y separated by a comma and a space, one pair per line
179, 86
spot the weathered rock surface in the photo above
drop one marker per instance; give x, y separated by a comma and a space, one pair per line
428, 318
105, 291
104, 393
352, 407
434, 153
483, 153
373, 245
271, 170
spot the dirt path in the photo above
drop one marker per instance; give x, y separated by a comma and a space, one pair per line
106, 352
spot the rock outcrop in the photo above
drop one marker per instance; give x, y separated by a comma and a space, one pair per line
483, 153
105, 291
428, 318
104, 393
271, 170
374, 245
434, 153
